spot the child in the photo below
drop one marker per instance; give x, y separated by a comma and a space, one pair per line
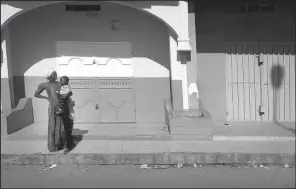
65, 89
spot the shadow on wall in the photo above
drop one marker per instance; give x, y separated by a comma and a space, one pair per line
143, 4
78, 135
220, 22
1, 55
27, 5
23, 112
277, 76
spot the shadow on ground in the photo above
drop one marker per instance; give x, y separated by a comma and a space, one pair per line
77, 135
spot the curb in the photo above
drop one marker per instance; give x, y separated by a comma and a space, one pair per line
251, 138
136, 159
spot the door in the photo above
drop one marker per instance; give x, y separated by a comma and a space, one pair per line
260, 80
117, 100
98, 74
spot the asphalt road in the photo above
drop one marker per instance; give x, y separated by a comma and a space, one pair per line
72, 176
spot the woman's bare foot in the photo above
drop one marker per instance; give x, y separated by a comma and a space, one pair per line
67, 151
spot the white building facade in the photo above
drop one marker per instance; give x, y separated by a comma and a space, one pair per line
124, 59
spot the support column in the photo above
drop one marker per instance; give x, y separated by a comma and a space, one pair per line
7, 91
183, 40
184, 51
176, 76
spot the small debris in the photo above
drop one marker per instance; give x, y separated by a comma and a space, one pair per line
144, 166
179, 165
286, 165
161, 167
262, 166
85, 169
197, 165
53, 166
236, 166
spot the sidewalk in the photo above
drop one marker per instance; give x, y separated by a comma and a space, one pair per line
233, 143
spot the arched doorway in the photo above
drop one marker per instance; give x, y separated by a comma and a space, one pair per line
150, 57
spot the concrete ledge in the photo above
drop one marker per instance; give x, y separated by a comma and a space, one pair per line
3, 125
252, 138
20, 117
159, 158
188, 113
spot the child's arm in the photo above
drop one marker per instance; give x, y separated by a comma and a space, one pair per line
68, 92
68, 89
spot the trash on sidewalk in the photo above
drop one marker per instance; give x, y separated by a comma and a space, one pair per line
51, 167
237, 166
179, 165
144, 166
161, 167
197, 165
262, 166
286, 165
85, 169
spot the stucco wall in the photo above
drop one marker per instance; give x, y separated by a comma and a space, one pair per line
221, 22
33, 37
167, 11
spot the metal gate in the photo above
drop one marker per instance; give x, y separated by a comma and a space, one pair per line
260, 81
101, 76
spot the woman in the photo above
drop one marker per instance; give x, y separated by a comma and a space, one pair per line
58, 126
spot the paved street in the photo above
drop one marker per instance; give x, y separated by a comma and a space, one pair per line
73, 176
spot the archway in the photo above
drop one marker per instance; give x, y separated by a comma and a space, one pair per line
148, 36
12, 9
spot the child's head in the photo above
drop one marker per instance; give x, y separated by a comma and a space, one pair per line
64, 80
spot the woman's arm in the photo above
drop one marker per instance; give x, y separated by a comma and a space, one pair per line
38, 92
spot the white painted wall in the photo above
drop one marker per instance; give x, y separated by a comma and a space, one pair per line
148, 37
167, 11
7, 92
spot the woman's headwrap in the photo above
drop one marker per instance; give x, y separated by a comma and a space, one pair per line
48, 72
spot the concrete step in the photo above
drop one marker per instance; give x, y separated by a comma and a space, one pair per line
192, 130
79, 137
198, 128
190, 122
189, 137
100, 130
188, 113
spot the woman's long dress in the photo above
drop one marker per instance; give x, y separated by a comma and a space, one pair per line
56, 135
